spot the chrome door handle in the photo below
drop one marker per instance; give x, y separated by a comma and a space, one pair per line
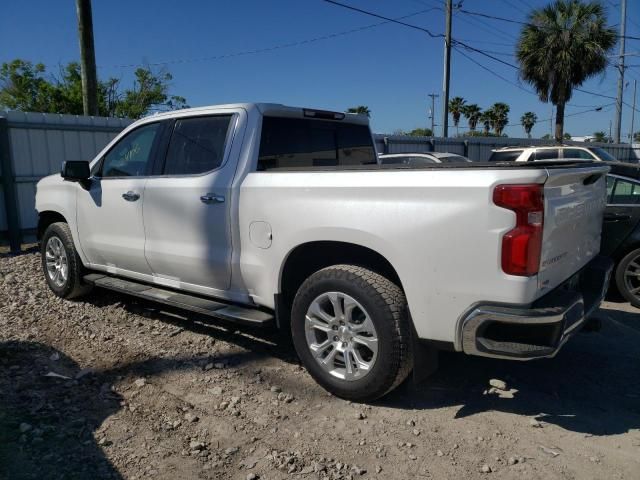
211, 198
131, 196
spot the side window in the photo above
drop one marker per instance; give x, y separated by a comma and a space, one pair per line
131, 156
197, 145
625, 193
548, 154
576, 153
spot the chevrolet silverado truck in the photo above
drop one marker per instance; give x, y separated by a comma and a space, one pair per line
263, 214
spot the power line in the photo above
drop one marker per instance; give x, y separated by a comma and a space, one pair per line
492, 17
468, 47
491, 30
513, 6
392, 20
464, 45
518, 22
515, 84
268, 49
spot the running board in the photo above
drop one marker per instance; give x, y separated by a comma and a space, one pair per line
223, 311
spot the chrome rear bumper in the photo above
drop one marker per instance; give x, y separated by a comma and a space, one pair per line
538, 330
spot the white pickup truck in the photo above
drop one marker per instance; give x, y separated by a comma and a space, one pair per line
270, 215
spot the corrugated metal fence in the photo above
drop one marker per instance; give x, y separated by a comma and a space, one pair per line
34, 145
479, 148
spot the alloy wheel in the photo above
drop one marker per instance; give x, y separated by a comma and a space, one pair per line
341, 336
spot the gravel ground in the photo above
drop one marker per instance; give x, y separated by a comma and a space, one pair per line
111, 387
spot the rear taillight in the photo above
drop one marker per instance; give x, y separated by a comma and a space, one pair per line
522, 246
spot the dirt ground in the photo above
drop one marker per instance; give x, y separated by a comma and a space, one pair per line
110, 387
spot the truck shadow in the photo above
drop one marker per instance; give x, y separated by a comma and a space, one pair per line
47, 422
50, 410
592, 386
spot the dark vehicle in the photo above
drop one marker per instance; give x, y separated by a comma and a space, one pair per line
621, 229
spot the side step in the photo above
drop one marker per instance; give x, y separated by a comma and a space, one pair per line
223, 311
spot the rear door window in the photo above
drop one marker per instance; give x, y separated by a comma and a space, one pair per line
547, 154
197, 145
296, 142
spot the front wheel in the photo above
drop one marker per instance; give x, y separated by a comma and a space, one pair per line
351, 330
61, 264
628, 277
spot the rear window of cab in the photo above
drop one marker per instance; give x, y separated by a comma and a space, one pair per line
298, 142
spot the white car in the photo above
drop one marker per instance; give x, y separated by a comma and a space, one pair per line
263, 214
417, 159
557, 152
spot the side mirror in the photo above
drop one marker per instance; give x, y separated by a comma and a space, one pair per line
76, 170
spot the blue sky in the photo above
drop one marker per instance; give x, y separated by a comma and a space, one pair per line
388, 67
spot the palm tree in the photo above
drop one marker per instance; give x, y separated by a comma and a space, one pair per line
500, 116
561, 46
599, 137
486, 118
360, 110
528, 120
456, 104
472, 113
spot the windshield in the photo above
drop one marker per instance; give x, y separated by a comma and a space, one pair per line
603, 154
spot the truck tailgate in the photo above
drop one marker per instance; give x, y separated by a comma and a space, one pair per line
575, 199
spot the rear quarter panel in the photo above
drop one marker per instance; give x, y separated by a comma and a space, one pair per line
438, 228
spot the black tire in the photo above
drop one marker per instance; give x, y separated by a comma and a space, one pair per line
386, 306
626, 284
72, 286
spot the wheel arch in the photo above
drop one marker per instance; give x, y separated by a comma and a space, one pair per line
307, 258
45, 219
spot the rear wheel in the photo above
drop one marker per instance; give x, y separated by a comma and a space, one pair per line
61, 264
351, 332
628, 277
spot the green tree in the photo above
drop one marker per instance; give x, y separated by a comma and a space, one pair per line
360, 110
567, 136
499, 116
26, 87
528, 120
546, 136
561, 46
421, 132
487, 119
456, 104
636, 137
599, 137
472, 113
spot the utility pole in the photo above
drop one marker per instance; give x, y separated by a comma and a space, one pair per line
623, 28
447, 68
633, 112
87, 58
433, 112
